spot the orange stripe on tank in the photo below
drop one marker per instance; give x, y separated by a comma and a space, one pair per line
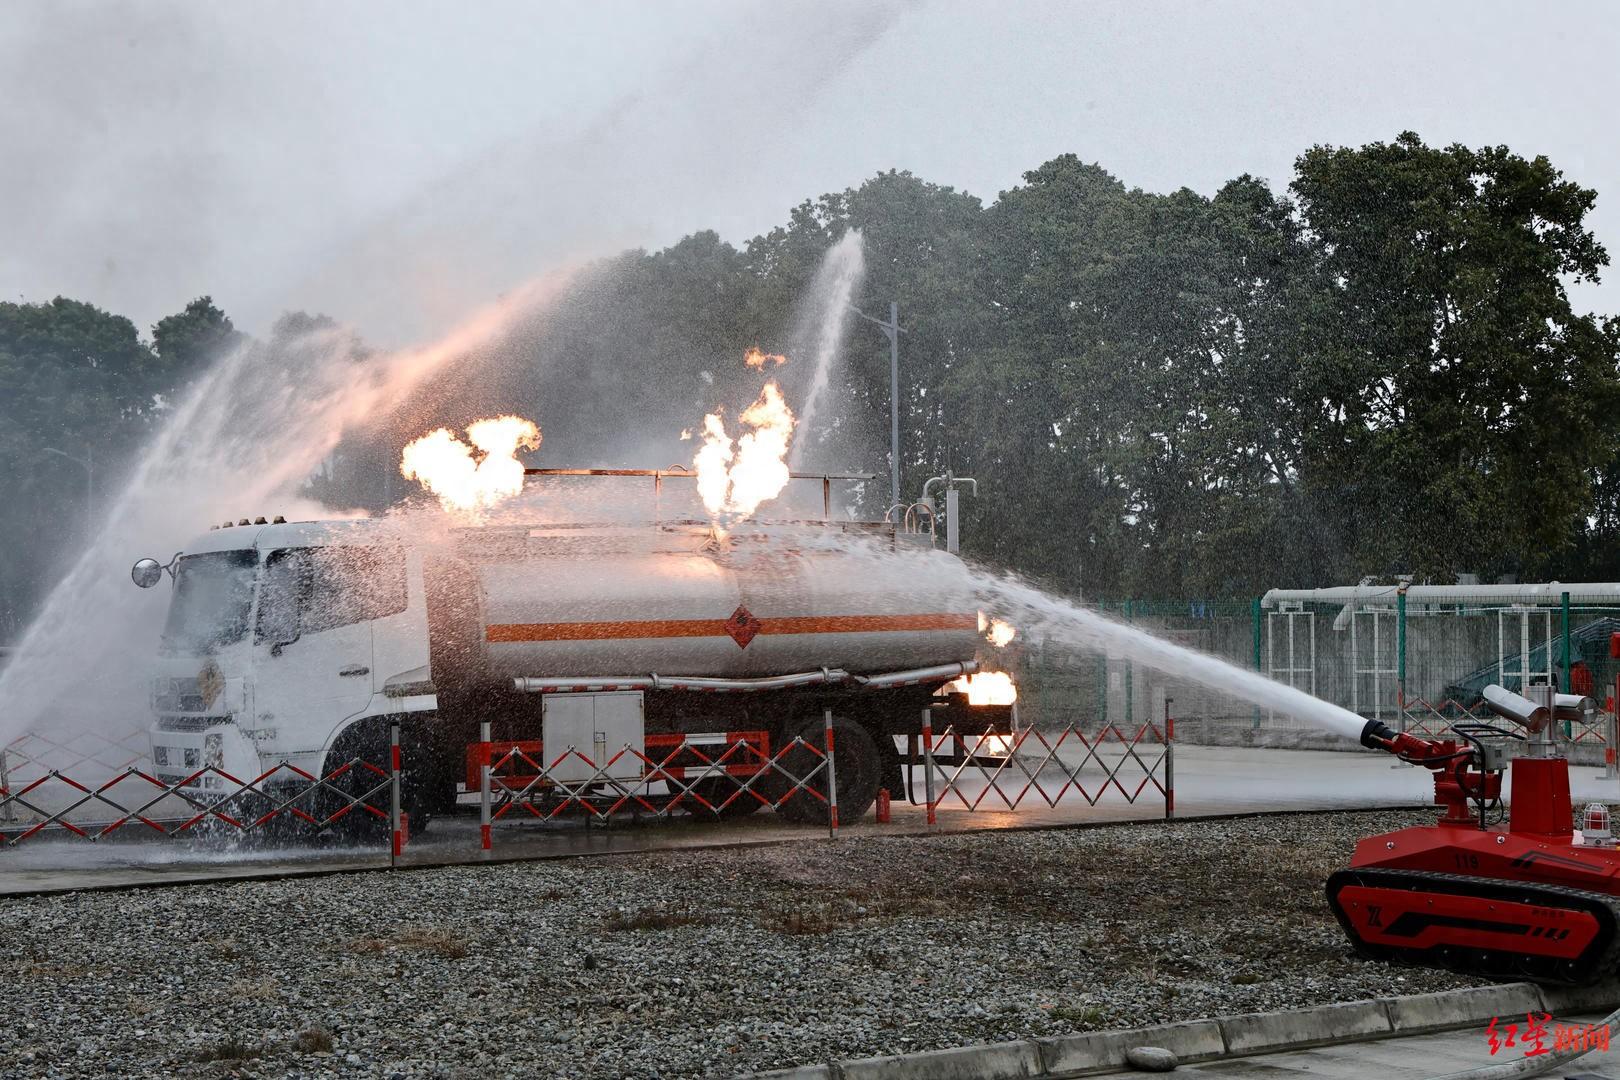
605, 631
861, 624
674, 628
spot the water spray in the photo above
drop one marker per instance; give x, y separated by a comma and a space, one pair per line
841, 273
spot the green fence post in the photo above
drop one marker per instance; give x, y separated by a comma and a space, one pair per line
1102, 686
1400, 654
1130, 705
1254, 618
1564, 616
1102, 673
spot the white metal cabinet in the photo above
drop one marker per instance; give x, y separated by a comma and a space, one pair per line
598, 727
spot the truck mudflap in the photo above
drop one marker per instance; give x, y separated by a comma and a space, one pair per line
1487, 927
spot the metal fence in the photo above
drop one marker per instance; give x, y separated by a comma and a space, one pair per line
1003, 772
663, 776
1382, 659
1021, 767
97, 788
281, 796
33, 754
104, 786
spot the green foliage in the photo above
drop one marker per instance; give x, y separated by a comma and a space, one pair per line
1457, 393
194, 337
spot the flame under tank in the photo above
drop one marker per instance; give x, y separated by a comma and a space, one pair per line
671, 600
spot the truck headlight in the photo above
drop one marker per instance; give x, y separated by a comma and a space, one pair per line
214, 751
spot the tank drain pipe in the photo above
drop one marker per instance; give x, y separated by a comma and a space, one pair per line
916, 675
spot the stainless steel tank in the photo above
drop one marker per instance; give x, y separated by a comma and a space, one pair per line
675, 600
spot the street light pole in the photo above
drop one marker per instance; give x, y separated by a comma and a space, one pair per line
891, 330
88, 464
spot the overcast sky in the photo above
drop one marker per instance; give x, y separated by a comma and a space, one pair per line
395, 162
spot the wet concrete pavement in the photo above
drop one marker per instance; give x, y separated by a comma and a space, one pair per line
1208, 781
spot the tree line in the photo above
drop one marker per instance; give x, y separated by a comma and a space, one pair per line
1376, 371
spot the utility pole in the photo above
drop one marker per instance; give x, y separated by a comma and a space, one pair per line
891, 330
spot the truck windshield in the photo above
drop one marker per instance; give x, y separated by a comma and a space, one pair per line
212, 596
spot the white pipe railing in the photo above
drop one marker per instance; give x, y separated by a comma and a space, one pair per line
833, 676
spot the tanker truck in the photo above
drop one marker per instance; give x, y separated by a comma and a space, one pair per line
304, 642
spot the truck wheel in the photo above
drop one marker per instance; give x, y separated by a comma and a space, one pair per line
856, 761
369, 743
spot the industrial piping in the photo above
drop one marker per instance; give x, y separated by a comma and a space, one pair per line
1546, 593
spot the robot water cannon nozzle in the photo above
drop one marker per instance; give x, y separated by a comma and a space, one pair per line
1464, 770
1430, 753
1377, 735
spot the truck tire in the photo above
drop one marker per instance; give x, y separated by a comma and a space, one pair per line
368, 741
857, 763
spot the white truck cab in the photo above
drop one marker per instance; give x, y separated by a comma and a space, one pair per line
279, 638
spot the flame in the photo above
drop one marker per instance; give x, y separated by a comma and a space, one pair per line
1001, 632
686, 434
469, 477
756, 359
713, 463
735, 477
985, 688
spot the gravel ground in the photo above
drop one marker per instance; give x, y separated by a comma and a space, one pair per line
695, 963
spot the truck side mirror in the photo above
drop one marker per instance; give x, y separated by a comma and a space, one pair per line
146, 573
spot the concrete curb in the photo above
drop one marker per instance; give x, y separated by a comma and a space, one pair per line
992, 1061
1257, 1033
1066, 1055
1459, 1008
1208, 1040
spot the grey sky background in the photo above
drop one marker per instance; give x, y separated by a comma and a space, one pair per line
394, 163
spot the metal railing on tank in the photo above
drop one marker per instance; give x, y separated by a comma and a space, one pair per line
681, 472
